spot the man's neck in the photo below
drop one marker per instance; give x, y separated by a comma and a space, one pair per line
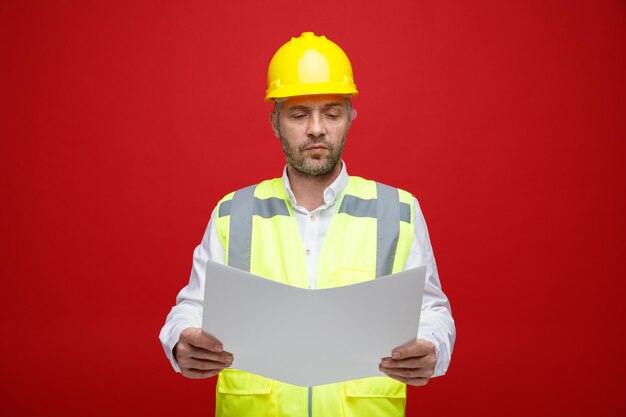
309, 189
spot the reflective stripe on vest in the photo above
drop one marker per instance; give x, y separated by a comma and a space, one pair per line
386, 208
241, 208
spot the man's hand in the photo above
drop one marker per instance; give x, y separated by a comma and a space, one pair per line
200, 355
412, 363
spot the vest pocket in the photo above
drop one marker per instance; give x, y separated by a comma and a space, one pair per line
377, 396
241, 394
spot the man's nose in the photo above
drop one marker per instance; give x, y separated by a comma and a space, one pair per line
316, 126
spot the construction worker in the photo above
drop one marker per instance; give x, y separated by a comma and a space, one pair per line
316, 222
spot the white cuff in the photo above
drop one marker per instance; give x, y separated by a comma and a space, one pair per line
168, 342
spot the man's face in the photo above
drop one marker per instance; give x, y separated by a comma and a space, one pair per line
312, 130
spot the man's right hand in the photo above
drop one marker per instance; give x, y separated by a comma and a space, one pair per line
200, 355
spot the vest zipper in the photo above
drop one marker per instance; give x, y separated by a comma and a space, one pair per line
310, 401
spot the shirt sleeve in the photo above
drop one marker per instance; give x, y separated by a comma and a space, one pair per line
436, 323
188, 309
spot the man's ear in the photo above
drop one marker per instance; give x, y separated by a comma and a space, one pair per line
274, 123
353, 114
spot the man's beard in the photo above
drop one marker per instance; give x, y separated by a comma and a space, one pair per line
308, 165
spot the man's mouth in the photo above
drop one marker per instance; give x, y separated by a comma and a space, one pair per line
316, 147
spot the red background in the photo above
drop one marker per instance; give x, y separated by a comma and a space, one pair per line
124, 122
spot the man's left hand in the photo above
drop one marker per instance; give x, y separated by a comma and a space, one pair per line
412, 363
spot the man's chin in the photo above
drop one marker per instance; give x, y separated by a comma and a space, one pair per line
317, 169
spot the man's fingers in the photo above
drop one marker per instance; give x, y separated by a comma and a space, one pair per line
408, 373
418, 382
202, 365
199, 374
198, 362
426, 361
199, 353
412, 363
196, 337
184, 350
413, 348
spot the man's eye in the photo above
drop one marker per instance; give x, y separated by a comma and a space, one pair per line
298, 115
332, 115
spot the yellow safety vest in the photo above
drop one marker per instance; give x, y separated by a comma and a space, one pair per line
369, 236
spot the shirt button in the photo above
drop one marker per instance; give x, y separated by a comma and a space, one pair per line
307, 252
312, 218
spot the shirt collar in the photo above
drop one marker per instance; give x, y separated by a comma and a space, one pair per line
331, 192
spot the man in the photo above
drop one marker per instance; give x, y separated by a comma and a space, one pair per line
320, 223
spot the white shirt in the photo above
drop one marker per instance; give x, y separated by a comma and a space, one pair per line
436, 323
